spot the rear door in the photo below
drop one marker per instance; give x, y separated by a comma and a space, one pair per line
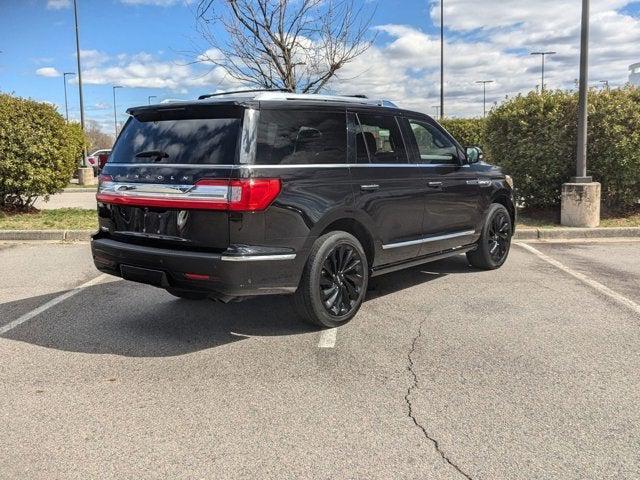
387, 187
148, 189
452, 206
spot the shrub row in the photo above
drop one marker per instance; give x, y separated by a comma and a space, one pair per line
39, 151
534, 137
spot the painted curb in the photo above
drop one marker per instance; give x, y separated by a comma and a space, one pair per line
47, 235
521, 234
575, 233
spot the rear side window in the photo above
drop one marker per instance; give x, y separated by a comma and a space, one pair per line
380, 138
296, 137
179, 138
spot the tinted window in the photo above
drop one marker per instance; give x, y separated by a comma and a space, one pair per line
301, 137
380, 135
433, 145
183, 140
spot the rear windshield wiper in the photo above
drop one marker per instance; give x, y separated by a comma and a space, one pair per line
155, 154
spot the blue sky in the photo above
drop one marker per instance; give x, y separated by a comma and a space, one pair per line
143, 43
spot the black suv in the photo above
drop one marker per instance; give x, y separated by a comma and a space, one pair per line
265, 193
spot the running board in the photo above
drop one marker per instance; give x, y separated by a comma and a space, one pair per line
393, 267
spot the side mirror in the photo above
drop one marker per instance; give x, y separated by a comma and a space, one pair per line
474, 154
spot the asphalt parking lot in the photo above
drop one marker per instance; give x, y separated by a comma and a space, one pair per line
529, 372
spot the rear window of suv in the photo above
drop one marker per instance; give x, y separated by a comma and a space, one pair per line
179, 137
295, 137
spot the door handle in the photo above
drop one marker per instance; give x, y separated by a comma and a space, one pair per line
369, 188
435, 184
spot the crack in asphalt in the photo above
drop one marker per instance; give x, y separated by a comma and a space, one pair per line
407, 399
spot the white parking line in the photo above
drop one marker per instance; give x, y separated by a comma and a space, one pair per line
54, 301
584, 279
328, 338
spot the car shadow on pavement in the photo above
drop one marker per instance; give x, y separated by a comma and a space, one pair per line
129, 319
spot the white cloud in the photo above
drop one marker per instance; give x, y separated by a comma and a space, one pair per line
146, 71
48, 72
58, 4
491, 40
93, 58
158, 3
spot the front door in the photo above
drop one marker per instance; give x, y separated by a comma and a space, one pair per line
452, 210
387, 187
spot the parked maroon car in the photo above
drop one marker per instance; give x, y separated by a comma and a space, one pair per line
97, 160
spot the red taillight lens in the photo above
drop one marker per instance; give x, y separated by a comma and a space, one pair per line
253, 194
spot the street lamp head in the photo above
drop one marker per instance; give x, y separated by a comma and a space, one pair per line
68, 73
117, 86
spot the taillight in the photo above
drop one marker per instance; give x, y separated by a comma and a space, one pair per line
242, 195
249, 194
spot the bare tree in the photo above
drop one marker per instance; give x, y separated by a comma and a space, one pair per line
294, 45
98, 140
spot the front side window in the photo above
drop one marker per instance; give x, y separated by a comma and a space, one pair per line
378, 136
295, 137
434, 147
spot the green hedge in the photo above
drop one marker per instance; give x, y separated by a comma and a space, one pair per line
470, 132
39, 151
533, 137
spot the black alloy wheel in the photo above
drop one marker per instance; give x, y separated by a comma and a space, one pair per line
334, 280
495, 239
499, 236
341, 280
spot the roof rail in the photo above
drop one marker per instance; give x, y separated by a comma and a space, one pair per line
236, 92
361, 99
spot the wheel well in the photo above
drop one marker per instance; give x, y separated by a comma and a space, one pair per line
503, 199
359, 231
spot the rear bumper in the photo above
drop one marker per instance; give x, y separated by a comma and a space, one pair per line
235, 273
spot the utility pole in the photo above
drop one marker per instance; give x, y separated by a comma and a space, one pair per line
543, 55
441, 59
437, 107
581, 196
66, 106
150, 97
581, 161
484, 94
115, 114
75, 13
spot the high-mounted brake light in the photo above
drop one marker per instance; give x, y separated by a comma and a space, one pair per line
241, 195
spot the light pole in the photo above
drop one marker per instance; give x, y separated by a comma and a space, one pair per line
581, 196
64, 80
150, 97
543, 55
605, 84
115, 114
441, 59
581, 161
437, 107
484, 95
75, 14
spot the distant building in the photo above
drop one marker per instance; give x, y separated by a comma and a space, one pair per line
634, 74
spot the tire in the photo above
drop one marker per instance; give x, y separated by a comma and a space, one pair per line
495, 240
187, 294
334, 281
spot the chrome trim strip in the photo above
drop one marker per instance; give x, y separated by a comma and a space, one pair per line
429, 239
257, 258
310, 165
165, 190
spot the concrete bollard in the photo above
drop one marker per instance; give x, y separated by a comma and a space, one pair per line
580, 205
85, 176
